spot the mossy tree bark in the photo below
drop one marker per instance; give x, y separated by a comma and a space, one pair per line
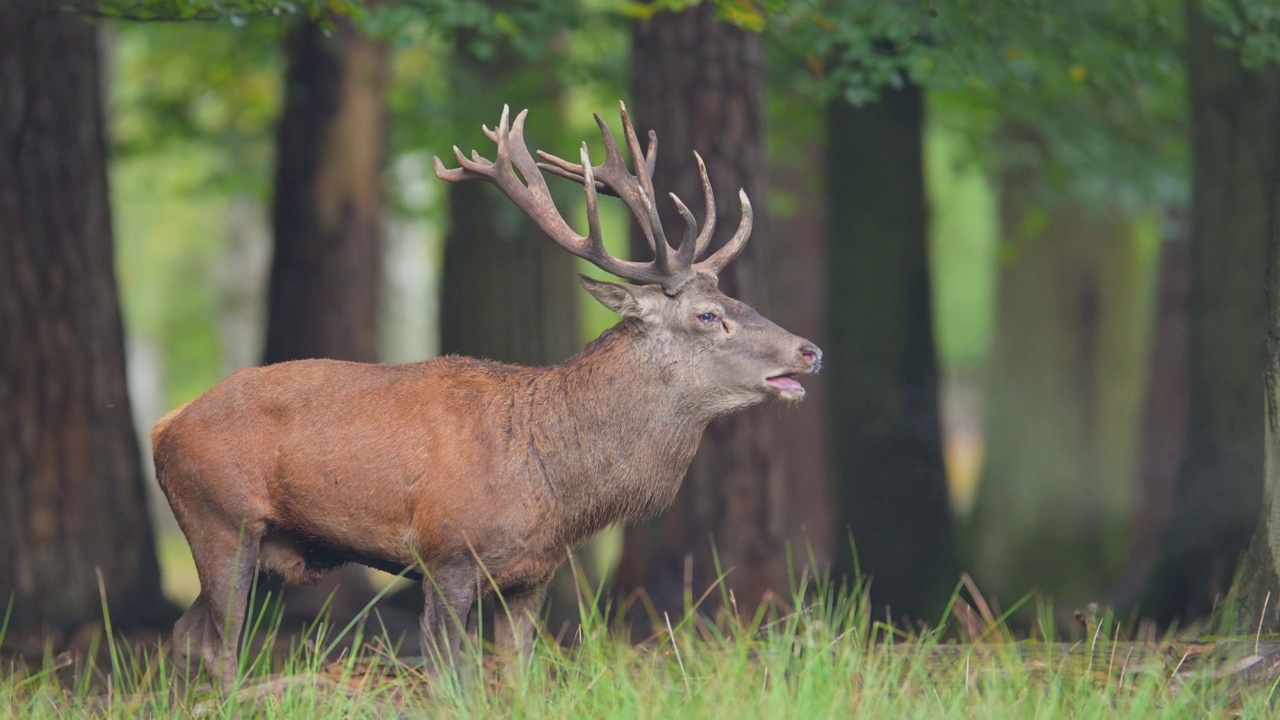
326, 273
72, 501
1255, 599
1234, 139
1255, 604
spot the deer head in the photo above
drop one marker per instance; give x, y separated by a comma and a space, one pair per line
718, 350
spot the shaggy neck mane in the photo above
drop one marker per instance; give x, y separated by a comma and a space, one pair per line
615, 434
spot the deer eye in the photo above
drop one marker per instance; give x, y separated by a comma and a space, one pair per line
708, 318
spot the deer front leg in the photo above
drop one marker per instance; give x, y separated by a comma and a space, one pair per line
515, 618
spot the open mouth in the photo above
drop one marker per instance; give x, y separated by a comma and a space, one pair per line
785, 386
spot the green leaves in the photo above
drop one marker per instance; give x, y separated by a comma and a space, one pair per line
194, 85
237, 12
1100, 83
1250, 26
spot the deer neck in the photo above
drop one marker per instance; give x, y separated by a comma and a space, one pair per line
617, 432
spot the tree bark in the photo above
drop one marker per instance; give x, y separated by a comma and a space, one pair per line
1234, 139
72, 501
699, 84
885, 424
326, 275
1255, 605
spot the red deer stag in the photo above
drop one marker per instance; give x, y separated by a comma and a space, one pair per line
474, 475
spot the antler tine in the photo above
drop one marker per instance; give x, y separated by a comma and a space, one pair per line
593, 210
597, 253
684, 256
613, 178
709, 198
525, 163
570, 171
502, 125
661, 250
651, 154
731, 249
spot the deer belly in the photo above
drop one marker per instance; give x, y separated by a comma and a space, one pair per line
349, 513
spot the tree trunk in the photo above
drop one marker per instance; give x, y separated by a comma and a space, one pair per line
1234, 138
1255, 605
1065, 402
699, 84
508, 292
326, 274
798, 166
885, 425
72, 503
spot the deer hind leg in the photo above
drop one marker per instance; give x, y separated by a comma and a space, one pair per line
225, 560
515, 618
448, 596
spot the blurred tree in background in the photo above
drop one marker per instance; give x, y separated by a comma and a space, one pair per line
1074, 113
326, 271
1080, 109
1253, 605
884, 380
796, 152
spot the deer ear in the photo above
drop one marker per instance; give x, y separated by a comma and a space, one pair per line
626, 300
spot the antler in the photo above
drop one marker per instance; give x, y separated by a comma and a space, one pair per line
637, 193
671, 268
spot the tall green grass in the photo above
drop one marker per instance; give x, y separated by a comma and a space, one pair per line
829, 658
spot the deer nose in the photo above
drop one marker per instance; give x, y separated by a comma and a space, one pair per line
812, 354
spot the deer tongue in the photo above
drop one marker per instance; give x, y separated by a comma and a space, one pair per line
786, 383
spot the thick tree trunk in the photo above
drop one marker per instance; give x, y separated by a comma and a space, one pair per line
1255, 604
1256, 596
1234, 138
72, 503
509, 293
326, 274
1064, 404
885, 425
699, 84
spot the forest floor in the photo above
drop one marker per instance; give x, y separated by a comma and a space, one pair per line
827, 660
